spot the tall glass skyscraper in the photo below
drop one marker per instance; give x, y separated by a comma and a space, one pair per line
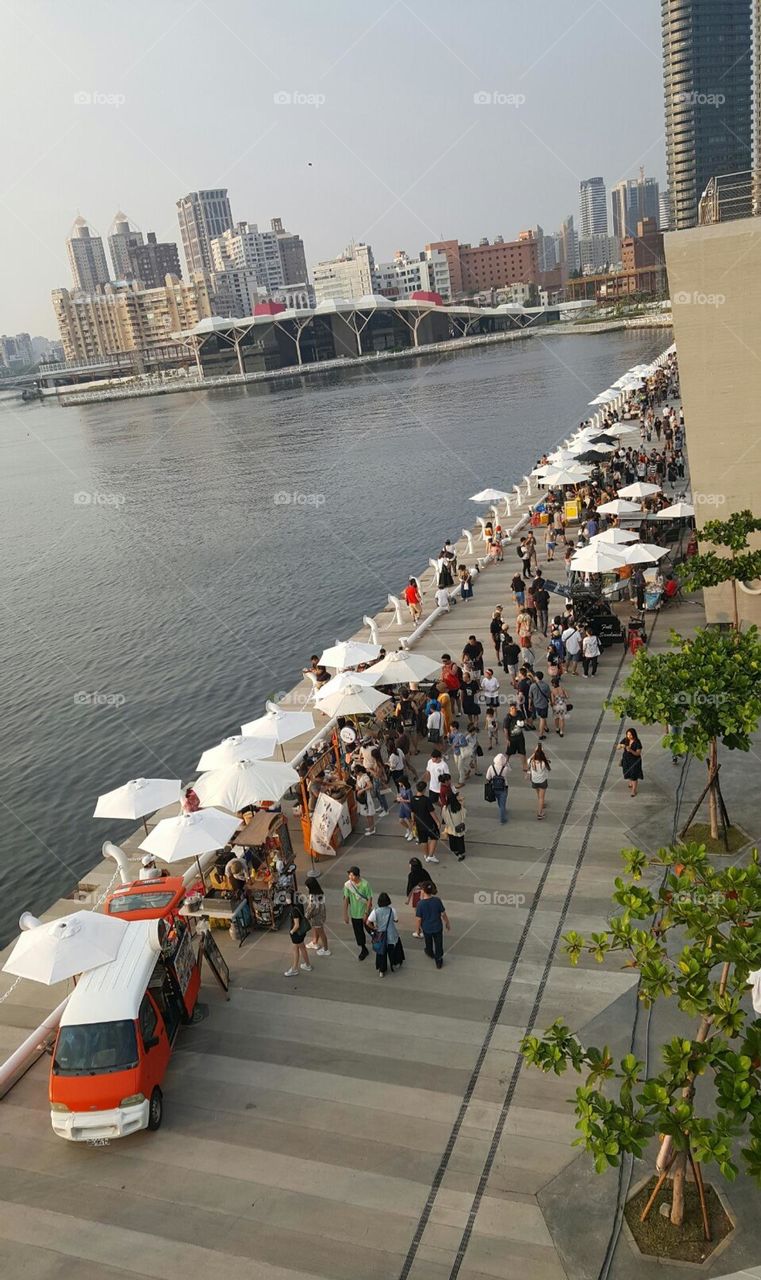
594, 209
707, 49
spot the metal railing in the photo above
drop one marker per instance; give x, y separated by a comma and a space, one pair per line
729, 196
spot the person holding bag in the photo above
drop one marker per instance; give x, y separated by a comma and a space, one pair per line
387, 945
417, 877
495, 785
453, 825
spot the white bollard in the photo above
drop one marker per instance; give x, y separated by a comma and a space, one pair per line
528, 485
434, 564
371, 623
517, 493
396, 604
468, 536
482, 521
508, 508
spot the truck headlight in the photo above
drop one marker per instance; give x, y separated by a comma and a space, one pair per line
59, 1106
133, 1100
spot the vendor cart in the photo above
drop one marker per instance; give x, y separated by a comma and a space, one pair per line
265, 842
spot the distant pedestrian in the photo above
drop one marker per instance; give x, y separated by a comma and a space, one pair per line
590, 653
631, 760
514, 735
314, 910
466, 583
453, 825
490, 688
358, 903
495, 630
539, 701
418, 875
559, 701
492, 727
414, 600
404, 798
387, 945
363, 790
433, 918
299, 928
511, 655
572, 641
424, 813
539, 776
496, 778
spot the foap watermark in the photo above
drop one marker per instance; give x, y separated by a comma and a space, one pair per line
297, 98
709, 499
695, 99
296, 698
697, 299
94, 98
498, 898
95, 698
688, 699
498, 98
84, 499
285, 499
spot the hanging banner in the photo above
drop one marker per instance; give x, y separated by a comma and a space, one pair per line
325, 819
344, 821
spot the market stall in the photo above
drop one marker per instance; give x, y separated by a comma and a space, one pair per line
328, 804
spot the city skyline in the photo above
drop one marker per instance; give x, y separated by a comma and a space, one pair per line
332, 159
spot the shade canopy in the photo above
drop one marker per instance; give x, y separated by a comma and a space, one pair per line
620, 507
645, 553
248, 782
355, 700
640, 489
279, 723
592, 559
403, 667
615, 537
346, 680
138, 797
190, 834
237, 747
566, 475
349, 653
677, 511
490, 495
52, 952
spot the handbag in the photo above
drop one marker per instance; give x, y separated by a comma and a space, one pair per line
479, 749
569, 706
379, 937
489, 792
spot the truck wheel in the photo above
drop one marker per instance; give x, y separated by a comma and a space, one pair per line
155, 1109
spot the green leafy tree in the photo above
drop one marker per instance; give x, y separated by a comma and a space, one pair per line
705, 691
741, 564
692, 936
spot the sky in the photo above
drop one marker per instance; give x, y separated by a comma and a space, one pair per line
349, 120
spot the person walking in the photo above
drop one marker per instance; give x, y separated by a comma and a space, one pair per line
380, 779
541, 604
539, 776
424, 814
404, 798
314, 910
414, 599
458, 741
453, 825
357, 905
572, 640
590, 653
496, 777
434, 772
490, 688
515, 739
511, 655
466, 582
495, 630
417, 876
387, 945
631, 760
559, 702
433, 918
539, 701
363, 789
299, 928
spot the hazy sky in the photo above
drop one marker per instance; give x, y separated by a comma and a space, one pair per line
388, 146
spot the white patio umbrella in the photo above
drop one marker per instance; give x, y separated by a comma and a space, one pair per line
567, 475
279, 723
677, 511
640, 489
403, 667
138, 797
348, 653
585, 447
247, 782
190, 834
593, 559
615, 537
237, 747
490, 495
620, 507
620, 429
346, 680
60, 949
645, 553
355, 700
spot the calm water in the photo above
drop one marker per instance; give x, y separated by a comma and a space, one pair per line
146, 561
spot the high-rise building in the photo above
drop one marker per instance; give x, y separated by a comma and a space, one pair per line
152, 262
545, 250
633, 200
245, 248
567, 248
87, 257
203, 215
234, 292
429, 273
16, 352
664, 211
710, 115
350, 276
594, 208
124, 317
292, 254
599, 252
489, 264
120, 238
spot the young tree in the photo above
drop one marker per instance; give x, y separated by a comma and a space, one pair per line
706, 691
716, 915
741, 565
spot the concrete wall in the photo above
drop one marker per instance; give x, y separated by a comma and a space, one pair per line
715, 278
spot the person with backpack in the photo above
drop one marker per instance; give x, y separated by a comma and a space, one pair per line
387, 945
539, 776
495, 784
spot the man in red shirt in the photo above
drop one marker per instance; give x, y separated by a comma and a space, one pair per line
412, 596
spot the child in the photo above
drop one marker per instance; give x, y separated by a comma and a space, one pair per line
492, 726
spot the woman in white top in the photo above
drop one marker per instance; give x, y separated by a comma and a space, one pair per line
539, 776
387, 944
363, 789
590, 652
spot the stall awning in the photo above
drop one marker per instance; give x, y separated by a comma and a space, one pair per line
256, 831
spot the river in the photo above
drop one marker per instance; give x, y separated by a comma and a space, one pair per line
155, 593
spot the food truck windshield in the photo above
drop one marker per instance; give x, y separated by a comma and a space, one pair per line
155, 900
96, 1048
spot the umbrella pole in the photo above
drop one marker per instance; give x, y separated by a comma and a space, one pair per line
145, 824
200, 872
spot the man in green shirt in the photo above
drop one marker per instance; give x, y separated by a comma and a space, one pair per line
358, 903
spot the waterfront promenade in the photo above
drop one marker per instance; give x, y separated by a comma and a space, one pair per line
335, 1125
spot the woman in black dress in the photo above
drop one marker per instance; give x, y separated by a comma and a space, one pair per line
470, 705
631, 759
